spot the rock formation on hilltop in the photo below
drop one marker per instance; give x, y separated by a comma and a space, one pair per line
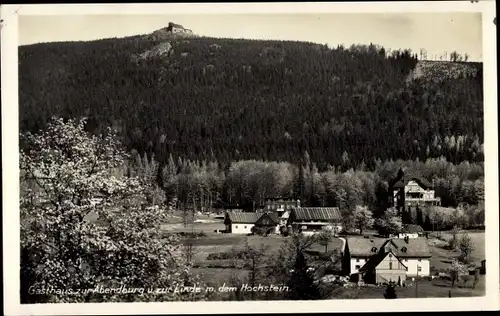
163, 49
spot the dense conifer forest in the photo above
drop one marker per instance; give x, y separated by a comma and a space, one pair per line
228, 122
227, 100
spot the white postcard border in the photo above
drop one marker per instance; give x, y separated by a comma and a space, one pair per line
10, 161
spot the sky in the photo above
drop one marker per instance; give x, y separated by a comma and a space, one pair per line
435, 32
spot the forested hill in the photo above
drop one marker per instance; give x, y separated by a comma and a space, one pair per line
233, 99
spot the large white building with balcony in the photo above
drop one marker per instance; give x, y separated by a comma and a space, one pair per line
410, 193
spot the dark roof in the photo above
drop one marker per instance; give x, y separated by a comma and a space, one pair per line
362, 247
375, 260
250, 217
402, 180
244, 217
316, 213
411, 229
272, 216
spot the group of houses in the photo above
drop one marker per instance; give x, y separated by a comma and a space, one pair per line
400, 257
407, 192
284, 214
405, 255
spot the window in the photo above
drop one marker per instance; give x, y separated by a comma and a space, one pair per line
357, 260
245, 226
235, 226
358, 266
390, 256
406, 260
390, 265
419, 260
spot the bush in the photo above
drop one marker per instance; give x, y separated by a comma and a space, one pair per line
390, 291
221, 264
235, 254
192, 234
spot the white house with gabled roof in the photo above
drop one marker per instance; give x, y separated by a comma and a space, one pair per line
414, 253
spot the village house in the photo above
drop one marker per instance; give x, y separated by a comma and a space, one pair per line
281, 207
281, 204
311, 220
251, 222
372, 260
411, 231
267, 223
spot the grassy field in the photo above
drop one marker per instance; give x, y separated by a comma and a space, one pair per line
441, 257
227, 242
435, 288
218, 272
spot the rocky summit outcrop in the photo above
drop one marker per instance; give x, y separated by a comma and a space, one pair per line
164, 49
438, 71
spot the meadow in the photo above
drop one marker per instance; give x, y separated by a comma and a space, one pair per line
219, 271
442, 257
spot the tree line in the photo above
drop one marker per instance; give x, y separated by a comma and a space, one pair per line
245, 99
208, 186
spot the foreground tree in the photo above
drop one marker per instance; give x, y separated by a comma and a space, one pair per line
362, 218
289, 267
466, 247
253, 258
84, 224
455, 270
324, 238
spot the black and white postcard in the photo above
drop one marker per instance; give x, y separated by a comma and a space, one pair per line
227, 158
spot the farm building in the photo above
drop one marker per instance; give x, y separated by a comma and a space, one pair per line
414, 254
249, 222
267, 223
310, 220
411, 231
